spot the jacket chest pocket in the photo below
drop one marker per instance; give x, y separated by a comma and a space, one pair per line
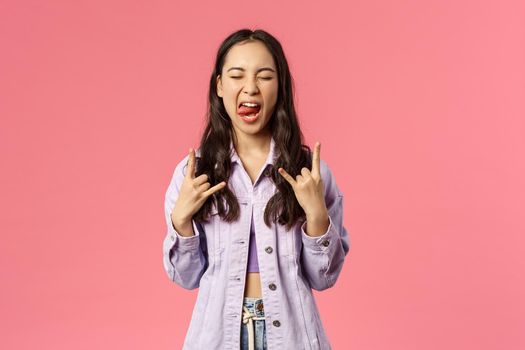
297, 241
212, 228
285, 242
224, 233
215, 233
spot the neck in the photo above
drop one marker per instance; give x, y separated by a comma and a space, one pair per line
253, 145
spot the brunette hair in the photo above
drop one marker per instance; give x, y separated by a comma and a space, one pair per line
290, 153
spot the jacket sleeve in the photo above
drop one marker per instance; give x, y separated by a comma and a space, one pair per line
322, 257
183, 257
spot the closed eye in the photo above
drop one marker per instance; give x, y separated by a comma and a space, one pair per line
264, 78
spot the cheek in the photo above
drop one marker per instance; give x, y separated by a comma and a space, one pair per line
229, 100
272, 100
272, 93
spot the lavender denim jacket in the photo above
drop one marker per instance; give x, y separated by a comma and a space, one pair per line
291, 263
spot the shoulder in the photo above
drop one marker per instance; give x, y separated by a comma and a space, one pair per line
326, 172
328, 177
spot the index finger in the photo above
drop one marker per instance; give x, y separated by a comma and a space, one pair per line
316, 159
287, 177
214, 189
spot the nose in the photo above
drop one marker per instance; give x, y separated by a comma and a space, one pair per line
251, 86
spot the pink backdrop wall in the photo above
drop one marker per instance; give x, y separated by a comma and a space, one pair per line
419, 106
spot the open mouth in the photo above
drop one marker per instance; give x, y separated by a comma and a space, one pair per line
248, 109
250, 118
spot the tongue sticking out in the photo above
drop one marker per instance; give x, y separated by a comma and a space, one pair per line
243, 110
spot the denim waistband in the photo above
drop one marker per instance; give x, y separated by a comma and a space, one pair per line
255, 306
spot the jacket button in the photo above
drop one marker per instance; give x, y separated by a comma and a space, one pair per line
325, 243
172, 238
268, 250
272, 286
276, 323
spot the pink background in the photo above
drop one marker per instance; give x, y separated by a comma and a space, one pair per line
419, 106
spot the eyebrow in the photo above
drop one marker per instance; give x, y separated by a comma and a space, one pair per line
258, 70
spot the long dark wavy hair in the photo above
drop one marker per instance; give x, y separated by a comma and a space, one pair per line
290, 153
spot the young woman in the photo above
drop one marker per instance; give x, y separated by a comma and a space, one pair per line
254, 217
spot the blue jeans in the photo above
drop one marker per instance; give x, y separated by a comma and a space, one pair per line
253, 324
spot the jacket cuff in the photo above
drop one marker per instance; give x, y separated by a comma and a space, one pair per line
319, 243
184, 243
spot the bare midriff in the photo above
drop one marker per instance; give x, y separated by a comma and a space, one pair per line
253, 285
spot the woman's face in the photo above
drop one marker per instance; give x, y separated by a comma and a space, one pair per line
248, 75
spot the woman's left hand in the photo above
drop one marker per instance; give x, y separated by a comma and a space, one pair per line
308, 187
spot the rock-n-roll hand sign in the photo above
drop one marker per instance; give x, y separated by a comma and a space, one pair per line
309, 189
193, 193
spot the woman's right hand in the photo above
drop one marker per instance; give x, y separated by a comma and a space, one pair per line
193, 193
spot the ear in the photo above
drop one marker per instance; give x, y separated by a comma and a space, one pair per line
219, 86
